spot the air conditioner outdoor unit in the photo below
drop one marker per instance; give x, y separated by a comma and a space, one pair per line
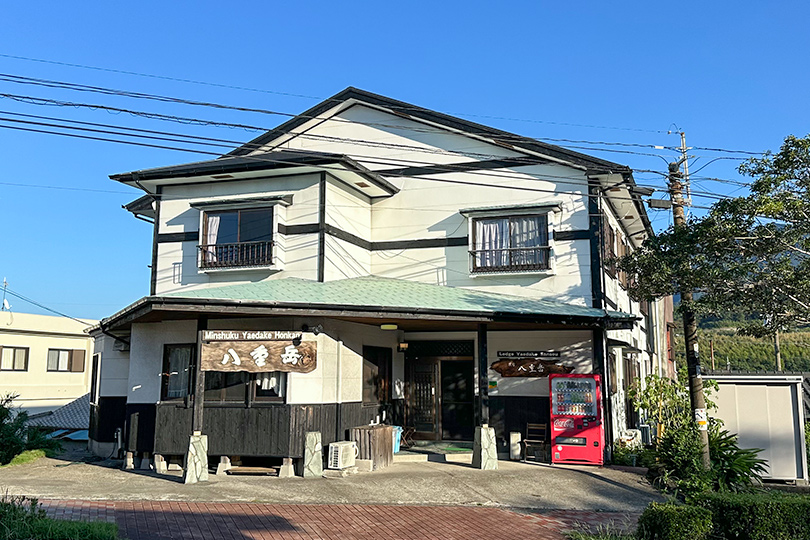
342, 454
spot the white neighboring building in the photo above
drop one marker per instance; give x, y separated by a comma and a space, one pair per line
44, 359
380, 224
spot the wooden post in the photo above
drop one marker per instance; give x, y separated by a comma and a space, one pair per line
483, 381
711, 348
199, 380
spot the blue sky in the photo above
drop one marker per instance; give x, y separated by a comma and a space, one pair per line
732, 75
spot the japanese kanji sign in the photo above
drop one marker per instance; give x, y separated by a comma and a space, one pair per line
256, 351
528, 367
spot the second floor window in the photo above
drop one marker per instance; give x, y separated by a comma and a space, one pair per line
237, 238
14, 358
66, 360
510, 244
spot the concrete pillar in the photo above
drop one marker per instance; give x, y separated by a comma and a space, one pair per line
313, 455
485, 449
146, 463
287, 469
196, 463
224, 464
129, 461
514, 445
160, 464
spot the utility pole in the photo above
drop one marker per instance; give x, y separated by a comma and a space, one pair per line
697, 398
777, 351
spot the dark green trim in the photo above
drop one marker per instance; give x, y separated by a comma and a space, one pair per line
610, 303
322, 227
155, 235
595, 229
419, 244
572, 235
308, 228
340, 234
467, 166
187, 236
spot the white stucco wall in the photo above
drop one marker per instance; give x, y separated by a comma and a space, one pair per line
146, 356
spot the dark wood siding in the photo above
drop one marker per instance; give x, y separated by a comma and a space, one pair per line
106, 417
140, 428
274, 430
512, 413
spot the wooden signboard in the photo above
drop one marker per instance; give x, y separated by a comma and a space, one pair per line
528, 367
256, 351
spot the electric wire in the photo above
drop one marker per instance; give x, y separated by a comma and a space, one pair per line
322, 167
265, 91
43, 306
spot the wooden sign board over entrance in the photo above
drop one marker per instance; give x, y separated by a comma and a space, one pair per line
256, 351
529, 367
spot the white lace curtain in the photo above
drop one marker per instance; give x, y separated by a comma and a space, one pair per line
498, 241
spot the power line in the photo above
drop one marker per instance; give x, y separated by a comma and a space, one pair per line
46, 308
207, 141
502, 137
264, 91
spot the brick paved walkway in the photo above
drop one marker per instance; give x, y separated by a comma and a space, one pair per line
164, 520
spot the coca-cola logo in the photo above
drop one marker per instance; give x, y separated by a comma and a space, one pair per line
563, 423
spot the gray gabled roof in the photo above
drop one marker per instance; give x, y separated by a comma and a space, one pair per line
74, 415
280, 159
401, 108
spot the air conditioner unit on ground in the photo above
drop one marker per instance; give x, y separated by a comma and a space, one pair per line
342, 454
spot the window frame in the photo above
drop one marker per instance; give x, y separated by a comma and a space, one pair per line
203, 247
13, 360
95, 378
511, 216
164, 373
68, 368
383, 393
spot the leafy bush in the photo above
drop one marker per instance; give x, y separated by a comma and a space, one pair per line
16, 436
674, 522
733, 468
23, 519
759, 516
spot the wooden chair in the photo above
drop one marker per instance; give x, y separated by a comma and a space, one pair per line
537, 436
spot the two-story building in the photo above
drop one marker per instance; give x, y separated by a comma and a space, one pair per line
43, 360
370, 260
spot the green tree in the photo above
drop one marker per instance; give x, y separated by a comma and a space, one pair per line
749, 257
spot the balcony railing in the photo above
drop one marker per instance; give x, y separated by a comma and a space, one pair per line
484, 261
236, 255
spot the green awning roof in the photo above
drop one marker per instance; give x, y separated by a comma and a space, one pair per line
408, 296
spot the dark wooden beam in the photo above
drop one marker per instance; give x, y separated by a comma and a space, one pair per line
199, 379
483, 380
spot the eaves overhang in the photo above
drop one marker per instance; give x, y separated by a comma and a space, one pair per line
277, 162
150, 308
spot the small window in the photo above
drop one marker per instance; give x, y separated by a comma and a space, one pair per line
178, 362
376, 375
66, 360
269, 386
13, 359
237, 238
510, 244
226, 386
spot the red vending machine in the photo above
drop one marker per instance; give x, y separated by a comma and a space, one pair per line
577, 433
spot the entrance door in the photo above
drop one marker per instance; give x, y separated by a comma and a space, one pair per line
424, 399
457, 400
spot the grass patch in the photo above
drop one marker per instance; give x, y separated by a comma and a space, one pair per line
23, 519
29, 456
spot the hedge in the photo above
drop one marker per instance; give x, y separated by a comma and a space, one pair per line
674, 522
759, 516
